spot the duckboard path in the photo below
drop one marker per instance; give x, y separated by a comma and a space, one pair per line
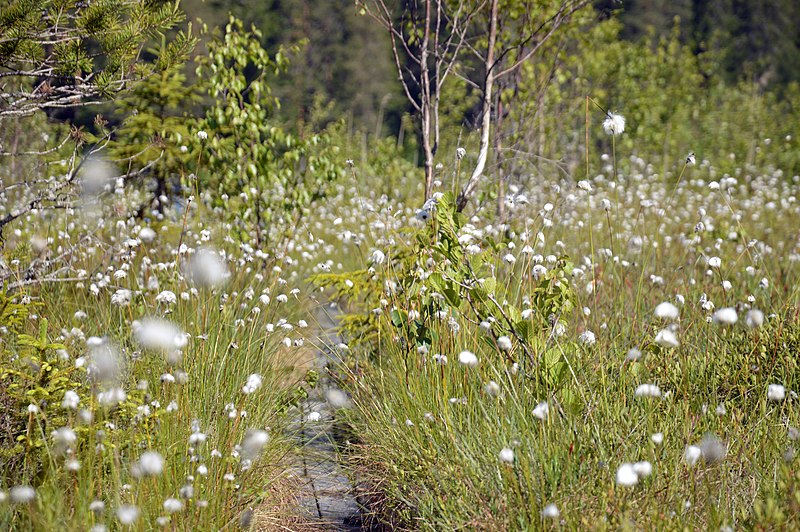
329, 500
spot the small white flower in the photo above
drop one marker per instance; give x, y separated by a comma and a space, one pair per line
714, 262
202, 135
460, 153
657, 438
314, 416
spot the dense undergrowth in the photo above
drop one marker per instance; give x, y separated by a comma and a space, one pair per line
621, 353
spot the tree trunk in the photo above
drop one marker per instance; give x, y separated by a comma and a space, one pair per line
427, 103
486, 114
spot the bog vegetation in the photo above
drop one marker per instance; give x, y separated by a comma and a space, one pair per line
565, 251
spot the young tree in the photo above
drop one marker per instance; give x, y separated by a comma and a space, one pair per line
517, 30
429, 38
58, 54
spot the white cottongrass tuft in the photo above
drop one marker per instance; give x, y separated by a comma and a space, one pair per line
468, 358
98, 177
254, 441
159, 335
377, 257
147, 235
626, 475
725, 316
206, 268
633, 354
504, 343
63, 439
167, 297
713, 449
105, 362
692, 454
614, 124
647, 390
121, 297
253, 383
127, 514
643, 469
22, 494
714, 262
550, 511
337, 398
172, 506
666, 338
588, 338
492, 388
506, 455
667, 311
71, 400
754, 318
541, 410
150, 464
776, 392
657, 438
